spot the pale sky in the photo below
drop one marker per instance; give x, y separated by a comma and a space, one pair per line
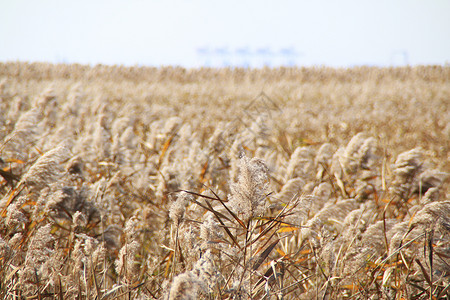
172, 32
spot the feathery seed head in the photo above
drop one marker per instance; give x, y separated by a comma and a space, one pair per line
248, 193
178, 207
46, 169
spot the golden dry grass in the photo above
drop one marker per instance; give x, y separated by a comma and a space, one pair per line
298, 182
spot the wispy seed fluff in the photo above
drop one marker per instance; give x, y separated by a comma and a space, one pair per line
46, 169
37, 264
433, 214
413, 176
24, 134
126, 264
178, 207
248, 193
359, 153
185, 287
202, 278
5, 250
408, 163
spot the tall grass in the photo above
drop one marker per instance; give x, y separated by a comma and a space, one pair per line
167, 183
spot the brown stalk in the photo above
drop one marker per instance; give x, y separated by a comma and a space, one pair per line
231, 213
203, 206
424, 272
264, 255
218, 215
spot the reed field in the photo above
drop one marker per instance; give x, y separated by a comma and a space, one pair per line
171, 183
